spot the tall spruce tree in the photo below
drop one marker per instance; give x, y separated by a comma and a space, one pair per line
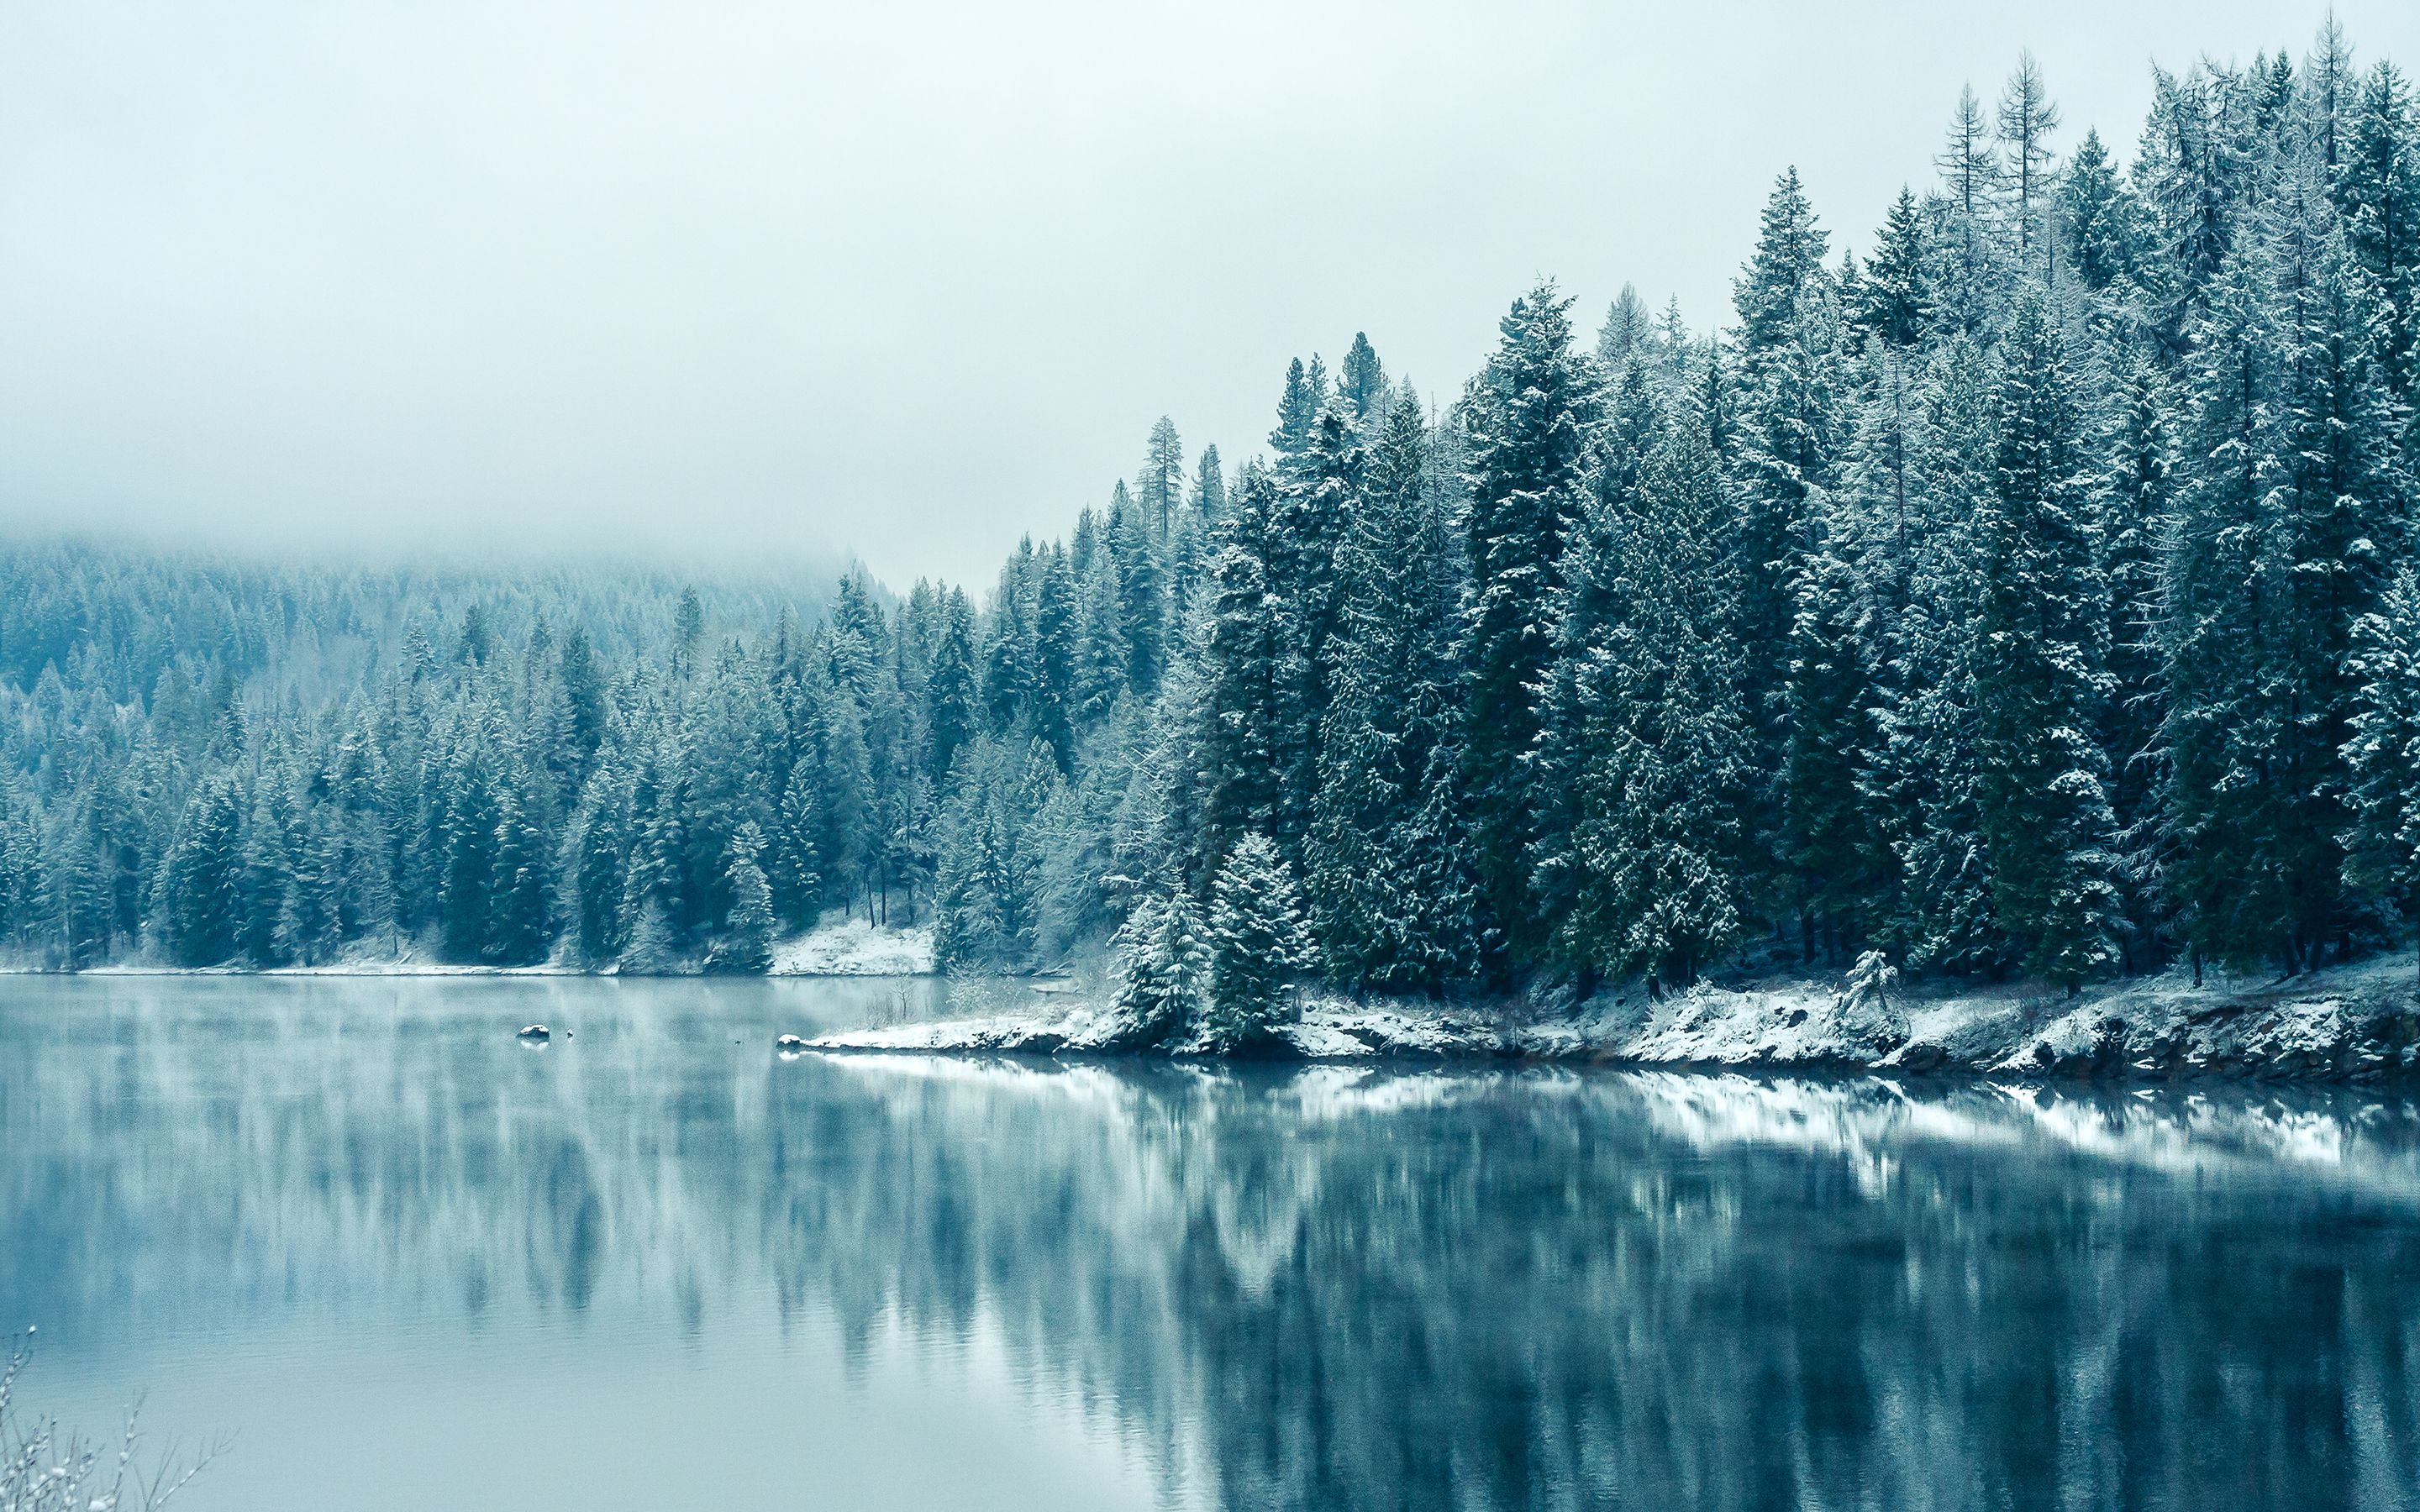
1527, 419
1259, 944
1654, 722
2382, 842
1388, 869
2040, 678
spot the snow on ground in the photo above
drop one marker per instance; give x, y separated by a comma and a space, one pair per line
2351, 1022
362, 961
853, 947
839, 947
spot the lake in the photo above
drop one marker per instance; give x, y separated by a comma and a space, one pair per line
406, 1262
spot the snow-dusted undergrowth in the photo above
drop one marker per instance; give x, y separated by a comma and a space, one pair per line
2356, 1021
853, 947
839, 947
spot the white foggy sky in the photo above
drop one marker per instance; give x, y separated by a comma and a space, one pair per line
748, 282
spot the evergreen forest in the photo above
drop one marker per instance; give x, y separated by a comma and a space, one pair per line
2024, 588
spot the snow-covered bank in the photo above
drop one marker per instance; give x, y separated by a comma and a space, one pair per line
837, 947
853, 947
2348, 1022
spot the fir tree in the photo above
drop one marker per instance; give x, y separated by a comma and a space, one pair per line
1654, 724
2097, 217
950, 690
1386, 866
1923, 785
1297, 406
199, 882
1057, 631
1895, 303
1527, 419
1163, 952
2285, 532
1628, 331
2382, 842
1245, 671
2378, 185
599, 842
1258, 945
2135, 504
520, 932
2044, 807
1790, 249
689, 632
747, 943
1159, 488
1143, 599
583, 691
1830, 847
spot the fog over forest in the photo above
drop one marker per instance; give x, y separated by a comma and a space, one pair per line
903, 282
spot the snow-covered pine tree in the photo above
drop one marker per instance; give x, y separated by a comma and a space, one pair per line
1163, 951
2097, 217
519, 929
1386, 866
2040, 682
1895, 303
1793, 428
1361, 381
1657, 731
1298, 405
2286, 532
2377, 183
599, 846
468, 846
265, 922
1245, 660
1628, 332
1923, 786
2383, 842
1830, 847
2135, 502
747, 943
1259, 944
1789, 256
1103, 668
1527, 419
1143, 595
1159, 486
1057, 633
1317, 509
200, 875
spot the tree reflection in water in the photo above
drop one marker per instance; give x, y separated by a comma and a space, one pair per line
1321, 1286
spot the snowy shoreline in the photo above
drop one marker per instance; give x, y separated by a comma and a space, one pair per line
850, 948
2360, 1022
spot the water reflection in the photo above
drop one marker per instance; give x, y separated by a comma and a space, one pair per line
1326, 1288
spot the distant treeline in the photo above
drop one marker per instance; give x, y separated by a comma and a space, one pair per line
2035, 594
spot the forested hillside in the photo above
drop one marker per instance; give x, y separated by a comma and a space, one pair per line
2028, 591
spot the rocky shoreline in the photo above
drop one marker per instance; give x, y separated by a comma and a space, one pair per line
2354, 1023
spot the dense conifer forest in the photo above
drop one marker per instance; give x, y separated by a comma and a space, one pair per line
2029, 591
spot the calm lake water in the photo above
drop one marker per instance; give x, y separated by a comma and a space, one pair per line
408, 1262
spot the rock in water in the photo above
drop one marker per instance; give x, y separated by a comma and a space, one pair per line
790, 1045
535, 1032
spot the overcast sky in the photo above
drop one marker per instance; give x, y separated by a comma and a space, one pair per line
751, 281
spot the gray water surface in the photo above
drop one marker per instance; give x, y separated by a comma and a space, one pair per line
409, 1262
